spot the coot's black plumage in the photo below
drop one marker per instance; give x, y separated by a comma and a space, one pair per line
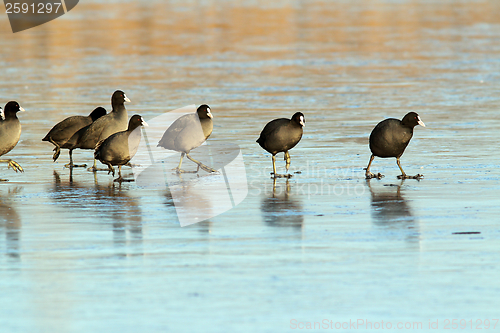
390, 138
281, 135
119, 148
187, 133
113, 122
64, 131
10, 132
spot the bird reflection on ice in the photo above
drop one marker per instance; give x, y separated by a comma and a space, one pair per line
392, 211
282, 209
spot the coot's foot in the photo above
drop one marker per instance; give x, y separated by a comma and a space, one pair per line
14, 165
69, 165
179, 170
94, 169
56, 154
201, 165
369, 175
417, 177
4, 180
112, 171
206, 168
273, 175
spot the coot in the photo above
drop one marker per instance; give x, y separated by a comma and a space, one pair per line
281, 135
113, 122
119, 148
10, 132
390, 138
63, 131
187, 133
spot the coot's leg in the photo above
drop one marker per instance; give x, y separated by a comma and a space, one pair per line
368, 174
94, 167
179, 170
57, 150
404, 176
120, 178
71, 165
201, 165
274, 165
13, 164
110, 169
287, 159
276, 175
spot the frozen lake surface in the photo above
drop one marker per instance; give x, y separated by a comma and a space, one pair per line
80, 253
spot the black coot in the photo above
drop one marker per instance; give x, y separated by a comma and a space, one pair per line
390, 138
187, 133
113, 122
281, 135
119, 148
10, 132
64, 131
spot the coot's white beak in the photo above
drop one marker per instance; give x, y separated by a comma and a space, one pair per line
209, 114
2, 115
21, 109
420, 122
126, 98
302, 121
144, 123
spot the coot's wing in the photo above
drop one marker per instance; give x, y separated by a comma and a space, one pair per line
389, 138
167, 141
10, 132
63, 130
71, 142
113, 149
88, 139
191, 136
269, 129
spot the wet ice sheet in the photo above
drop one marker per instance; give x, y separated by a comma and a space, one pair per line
84, 254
